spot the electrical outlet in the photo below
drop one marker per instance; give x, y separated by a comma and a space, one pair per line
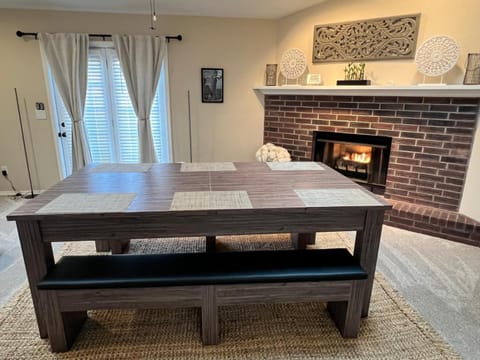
4, 170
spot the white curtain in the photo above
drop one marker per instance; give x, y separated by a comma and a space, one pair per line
67, 56
141, 58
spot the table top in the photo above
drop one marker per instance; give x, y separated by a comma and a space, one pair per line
125, 190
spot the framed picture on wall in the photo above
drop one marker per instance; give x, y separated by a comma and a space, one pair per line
212, 85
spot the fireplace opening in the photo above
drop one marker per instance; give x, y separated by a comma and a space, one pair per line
363, 158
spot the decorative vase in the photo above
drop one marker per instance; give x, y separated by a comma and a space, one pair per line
271, 75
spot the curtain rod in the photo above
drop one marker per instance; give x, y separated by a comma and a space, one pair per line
103, 36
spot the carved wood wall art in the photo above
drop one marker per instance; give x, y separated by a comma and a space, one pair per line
373, 39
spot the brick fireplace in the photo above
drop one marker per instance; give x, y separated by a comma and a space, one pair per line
431, 145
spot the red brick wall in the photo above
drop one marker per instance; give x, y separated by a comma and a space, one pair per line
431, 137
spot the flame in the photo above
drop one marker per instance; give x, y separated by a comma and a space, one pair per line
363, 158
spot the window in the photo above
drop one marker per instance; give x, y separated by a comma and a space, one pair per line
110, 121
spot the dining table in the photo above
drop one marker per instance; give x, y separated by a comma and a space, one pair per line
112, 204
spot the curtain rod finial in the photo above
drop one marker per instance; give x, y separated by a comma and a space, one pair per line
19, 33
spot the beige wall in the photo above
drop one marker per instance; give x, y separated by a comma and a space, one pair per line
233, 130
440, 17
229, 131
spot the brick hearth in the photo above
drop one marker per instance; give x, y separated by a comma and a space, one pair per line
431, 145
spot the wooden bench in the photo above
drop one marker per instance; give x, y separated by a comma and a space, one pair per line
207, 280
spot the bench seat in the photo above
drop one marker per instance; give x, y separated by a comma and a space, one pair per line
207, 280
127, 271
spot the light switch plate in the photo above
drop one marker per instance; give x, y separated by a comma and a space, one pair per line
40, 113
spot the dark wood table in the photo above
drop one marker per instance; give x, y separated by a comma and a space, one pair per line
275, 207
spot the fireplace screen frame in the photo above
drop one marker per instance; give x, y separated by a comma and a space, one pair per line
323, 150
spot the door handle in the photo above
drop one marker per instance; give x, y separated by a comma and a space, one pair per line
62, 124
62, 134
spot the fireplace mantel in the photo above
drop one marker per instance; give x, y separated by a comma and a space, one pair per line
460, 91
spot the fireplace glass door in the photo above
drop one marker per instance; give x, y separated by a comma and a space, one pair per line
362, 158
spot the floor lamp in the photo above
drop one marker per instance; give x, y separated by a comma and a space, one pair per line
32, 194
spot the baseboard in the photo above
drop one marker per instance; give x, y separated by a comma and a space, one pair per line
23, 192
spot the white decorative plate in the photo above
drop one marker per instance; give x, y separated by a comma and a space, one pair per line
293, 64
437, 55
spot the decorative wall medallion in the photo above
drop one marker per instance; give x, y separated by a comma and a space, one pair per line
437, 55
373, 39
293, 64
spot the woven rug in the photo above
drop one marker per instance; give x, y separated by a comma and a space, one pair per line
285, 331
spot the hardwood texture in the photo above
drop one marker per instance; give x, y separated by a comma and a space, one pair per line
283, 292
63, 327
38, 258
275, 209
102, 245
347, 314
66, 309
367, 243
209, 316
141, 298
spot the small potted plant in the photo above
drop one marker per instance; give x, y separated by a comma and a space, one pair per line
354, 75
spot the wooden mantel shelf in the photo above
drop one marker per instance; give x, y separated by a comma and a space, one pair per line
462, 91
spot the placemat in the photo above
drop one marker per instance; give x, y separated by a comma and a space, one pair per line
336, 197
209, 200
208, 166
294, 166
87, 203
122, 168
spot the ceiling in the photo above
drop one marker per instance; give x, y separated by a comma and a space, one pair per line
262, 9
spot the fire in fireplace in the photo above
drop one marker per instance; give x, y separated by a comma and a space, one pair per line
363, 158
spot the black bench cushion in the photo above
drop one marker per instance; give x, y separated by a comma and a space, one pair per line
119, 271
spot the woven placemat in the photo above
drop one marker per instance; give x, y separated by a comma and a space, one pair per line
210, 200
336, 197
122, 168
210, 166
273, 331
87, 203
295, 166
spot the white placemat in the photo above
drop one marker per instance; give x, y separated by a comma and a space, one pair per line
122, 168
209, 200
294, 166
87, 203
211, 166
336, 197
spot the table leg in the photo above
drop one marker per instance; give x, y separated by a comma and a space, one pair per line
119, 246
211, 245
102, 245
301, 240
367, 243
38, 258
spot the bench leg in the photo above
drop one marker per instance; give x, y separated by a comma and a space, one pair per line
347, 314
211, 245
209, 316
301, 240
63, 327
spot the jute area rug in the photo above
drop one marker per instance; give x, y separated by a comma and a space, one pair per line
286, 331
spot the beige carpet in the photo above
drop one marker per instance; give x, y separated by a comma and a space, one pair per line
290, 331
